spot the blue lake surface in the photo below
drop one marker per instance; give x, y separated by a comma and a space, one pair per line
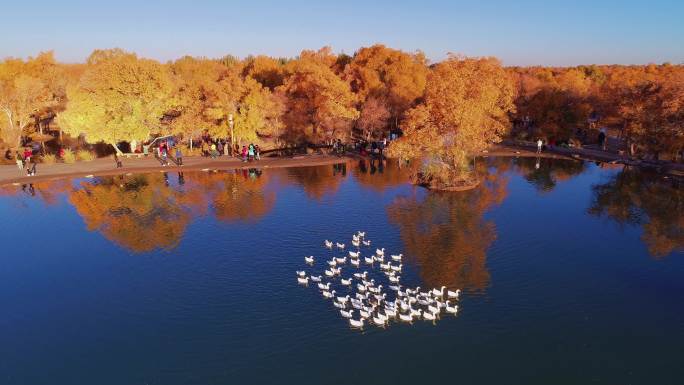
572, 273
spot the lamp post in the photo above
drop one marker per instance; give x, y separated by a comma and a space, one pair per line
232, 135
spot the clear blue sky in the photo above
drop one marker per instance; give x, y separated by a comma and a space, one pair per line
519, 32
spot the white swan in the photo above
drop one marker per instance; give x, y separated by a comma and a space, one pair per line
301, 273
429, 316
380, 252
390, 313
315, 278
328, 294
405, 317
415, 313
329, 273
303, 281
361, 288
324, 286
369, 260
309, 260
364, 313
397, 257
328, 244
341, 261
354, 254
346, 282
453, 294
451, 309
380, 258
339, 245
356, 238
434, 309
366, 243
395, 287
343, 299
397, 268
347, 314
356, 243
356, 324
379, 321
361, 275
438, 293
394, 279
339, 305
355, 262
332, 262
361, 234
385, 266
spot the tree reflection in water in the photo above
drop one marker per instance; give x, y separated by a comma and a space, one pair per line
632, 197
381, 174
145, 212
318, 182
544, 174
446, 233
139, 213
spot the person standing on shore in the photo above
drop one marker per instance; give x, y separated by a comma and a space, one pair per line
257, 152
20, 161
244, 153
250, 152
31, 171
539, 145
179, 156
27, 156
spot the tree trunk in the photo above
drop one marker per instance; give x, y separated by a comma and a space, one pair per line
118, 152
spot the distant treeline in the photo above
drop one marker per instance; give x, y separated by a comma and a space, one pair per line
461, 102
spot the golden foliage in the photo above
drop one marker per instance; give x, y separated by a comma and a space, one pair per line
466, 107
26, 87
119, 98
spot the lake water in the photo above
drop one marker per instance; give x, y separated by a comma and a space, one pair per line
571, 274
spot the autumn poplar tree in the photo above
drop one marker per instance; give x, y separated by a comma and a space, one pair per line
387, 82
466, 109
120, 97
26, 88
320, 105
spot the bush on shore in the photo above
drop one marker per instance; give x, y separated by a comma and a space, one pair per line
49, 159
85, 155
69, 156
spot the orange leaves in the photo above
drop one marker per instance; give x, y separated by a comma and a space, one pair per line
394, 78
319, 103
466, 107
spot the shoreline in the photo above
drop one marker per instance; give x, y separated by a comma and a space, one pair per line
107, 167
9, 174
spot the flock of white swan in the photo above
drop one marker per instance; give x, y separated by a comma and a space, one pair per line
361, 299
